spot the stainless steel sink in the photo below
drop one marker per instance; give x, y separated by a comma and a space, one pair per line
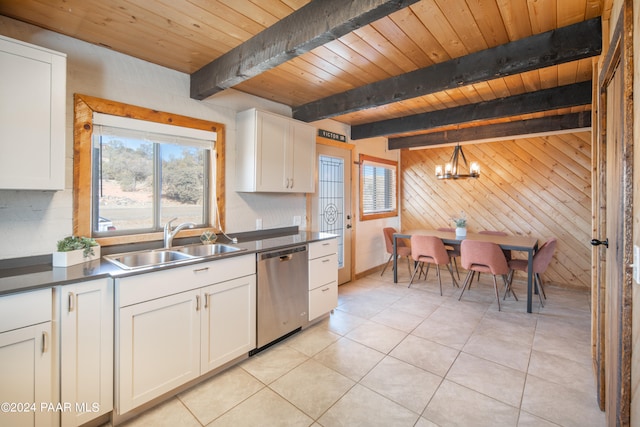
208, 250
132, 260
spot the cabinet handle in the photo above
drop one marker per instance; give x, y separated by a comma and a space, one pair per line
326, 244
71, 302
291, 183
326, 260
200, 270
45, 342
206, 301
197, 302
325, 289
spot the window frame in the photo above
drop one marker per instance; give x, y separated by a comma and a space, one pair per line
84, 107
363, 158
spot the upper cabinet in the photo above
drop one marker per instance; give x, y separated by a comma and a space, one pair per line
32, 116
274, 153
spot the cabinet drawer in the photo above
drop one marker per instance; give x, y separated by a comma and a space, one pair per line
323, 248
322, 300
25, 309
323, 270
148, 286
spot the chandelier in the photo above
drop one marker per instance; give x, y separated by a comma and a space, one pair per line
452, 170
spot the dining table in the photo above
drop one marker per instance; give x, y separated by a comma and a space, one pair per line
526, 244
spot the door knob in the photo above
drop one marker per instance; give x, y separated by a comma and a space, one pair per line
348, 225
596, 242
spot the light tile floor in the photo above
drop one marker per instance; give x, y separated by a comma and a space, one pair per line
390, 355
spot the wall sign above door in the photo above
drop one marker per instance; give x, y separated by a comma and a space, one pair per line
331, 135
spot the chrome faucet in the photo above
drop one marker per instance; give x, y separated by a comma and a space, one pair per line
170, 233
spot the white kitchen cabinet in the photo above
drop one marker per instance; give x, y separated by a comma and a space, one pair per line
228, 321
159, 347
32, 116
274, 153
323, 277
86, 350
173, 326
26, 362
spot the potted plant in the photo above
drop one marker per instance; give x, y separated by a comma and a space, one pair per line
75, 250
461, 225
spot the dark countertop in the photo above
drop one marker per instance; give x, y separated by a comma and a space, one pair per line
31, 277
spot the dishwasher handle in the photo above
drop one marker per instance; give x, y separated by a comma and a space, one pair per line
283, 254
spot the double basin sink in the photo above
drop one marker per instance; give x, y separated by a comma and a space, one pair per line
160, 257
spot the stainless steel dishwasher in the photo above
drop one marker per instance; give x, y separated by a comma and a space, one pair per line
283, 294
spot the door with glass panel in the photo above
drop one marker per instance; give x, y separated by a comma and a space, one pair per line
331, 203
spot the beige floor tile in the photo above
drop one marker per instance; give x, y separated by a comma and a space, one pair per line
425, 354
269, 365
451, 334
350, 358
423, 422
529, 420
454, 314
496, 349
573, 349
265, 408
169, 414
403, 383
455, 405
398, 319
363, 407
376, 336
560, 370
494, 380
312, 387
209, 400
312, 340
417, 305
561, 404
357, 307
341, 323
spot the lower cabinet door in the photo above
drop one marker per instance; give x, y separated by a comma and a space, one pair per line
228, 321
322, 300
86, 350
26, 377
158, 347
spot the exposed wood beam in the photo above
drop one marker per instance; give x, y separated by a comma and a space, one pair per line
570, 43
527, 103
553, 124
313, 25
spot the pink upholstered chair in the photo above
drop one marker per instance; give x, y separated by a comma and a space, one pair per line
507, 253
541, 261
431, 250
483, 257
452, 250
402, 248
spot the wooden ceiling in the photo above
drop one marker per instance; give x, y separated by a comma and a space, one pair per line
186, 35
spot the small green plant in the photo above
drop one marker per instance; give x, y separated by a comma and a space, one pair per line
460, 222
73, 243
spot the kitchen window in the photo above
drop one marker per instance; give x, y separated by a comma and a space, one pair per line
144, 174
378, 188
136, 168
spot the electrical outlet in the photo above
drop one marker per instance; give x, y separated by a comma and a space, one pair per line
259, 224
297, 220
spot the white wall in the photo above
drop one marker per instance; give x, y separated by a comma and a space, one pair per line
370, 249
33, 221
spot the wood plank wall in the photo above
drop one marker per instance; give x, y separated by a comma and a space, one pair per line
539, 187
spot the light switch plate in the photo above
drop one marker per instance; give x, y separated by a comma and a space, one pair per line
297, 220
259, 224
636, 264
